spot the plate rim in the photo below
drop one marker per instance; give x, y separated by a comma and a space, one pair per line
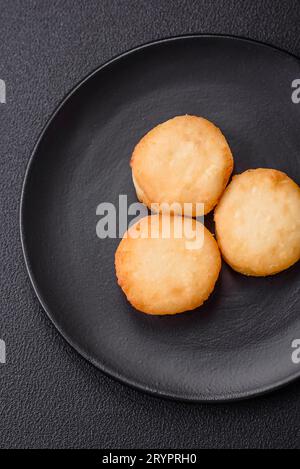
222, 398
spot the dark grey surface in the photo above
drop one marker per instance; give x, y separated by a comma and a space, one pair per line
50, 397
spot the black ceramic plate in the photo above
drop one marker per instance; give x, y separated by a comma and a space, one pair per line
240, 343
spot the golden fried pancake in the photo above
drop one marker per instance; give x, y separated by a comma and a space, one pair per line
167, 271
184, 160
258, 222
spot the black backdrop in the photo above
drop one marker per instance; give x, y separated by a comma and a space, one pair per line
49, 396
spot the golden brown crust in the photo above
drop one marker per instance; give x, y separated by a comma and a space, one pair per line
185, 160
167, 275
258, 222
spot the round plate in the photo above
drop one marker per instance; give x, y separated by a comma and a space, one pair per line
240, 342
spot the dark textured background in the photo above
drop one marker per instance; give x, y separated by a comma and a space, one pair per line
49, 396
